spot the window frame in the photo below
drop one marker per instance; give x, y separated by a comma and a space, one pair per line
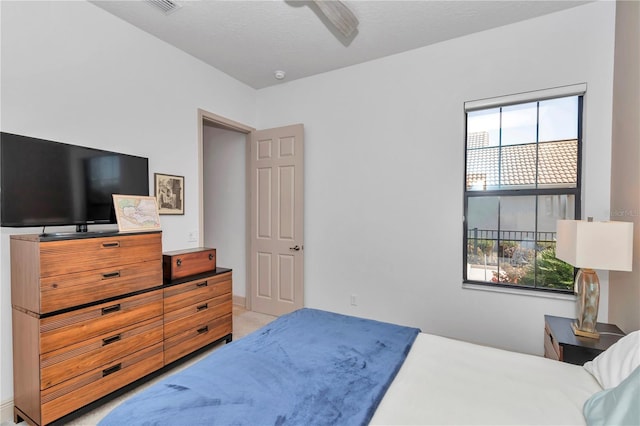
504, 101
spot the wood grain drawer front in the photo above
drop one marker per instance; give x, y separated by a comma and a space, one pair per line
72, 394
196, 315
70, 256
552, 349
66, 291
74, 360
192, 339
192, 292
80, 325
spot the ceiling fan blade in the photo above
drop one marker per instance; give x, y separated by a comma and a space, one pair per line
339, 15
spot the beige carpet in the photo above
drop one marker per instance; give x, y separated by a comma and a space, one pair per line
244, 322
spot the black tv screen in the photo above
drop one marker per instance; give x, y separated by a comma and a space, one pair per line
46, 183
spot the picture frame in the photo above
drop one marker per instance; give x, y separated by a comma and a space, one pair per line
136, 213
169, 193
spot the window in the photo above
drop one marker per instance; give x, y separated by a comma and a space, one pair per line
522, 174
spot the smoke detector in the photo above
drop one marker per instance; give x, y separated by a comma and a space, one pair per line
279, 75
166, 6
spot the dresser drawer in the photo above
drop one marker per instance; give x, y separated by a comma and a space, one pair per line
192, 292
560, 342
196, 315
552, 348
72, 394
95, 321
70, 361
66, 291
189, 340
71, 256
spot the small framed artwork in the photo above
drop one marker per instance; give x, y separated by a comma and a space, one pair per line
169, 191
136, 213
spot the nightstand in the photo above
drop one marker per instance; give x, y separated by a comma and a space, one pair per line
561, 344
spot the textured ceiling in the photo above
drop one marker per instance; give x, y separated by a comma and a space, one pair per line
249, 40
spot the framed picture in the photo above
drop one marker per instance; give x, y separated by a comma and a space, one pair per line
136, 212
169, 191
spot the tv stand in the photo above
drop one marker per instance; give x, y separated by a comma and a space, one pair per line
87, 319
70, 235
82, 228
91, 314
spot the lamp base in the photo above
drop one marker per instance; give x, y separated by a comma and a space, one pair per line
587, 288
590, 334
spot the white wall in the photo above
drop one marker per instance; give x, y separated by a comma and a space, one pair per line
624, 302
72, 72
384, 170
225, 195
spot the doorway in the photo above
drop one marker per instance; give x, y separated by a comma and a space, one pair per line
267, 254
224, 198
223, 219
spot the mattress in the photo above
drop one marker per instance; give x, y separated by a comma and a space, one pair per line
445, 381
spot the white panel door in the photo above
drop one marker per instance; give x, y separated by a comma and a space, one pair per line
277, 201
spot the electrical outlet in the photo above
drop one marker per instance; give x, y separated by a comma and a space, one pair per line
354, 300
192, 237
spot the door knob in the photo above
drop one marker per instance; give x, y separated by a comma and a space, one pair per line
295, 248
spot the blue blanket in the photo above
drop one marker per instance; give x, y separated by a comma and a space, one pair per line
309, 367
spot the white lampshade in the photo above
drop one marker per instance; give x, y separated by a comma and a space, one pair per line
595, 245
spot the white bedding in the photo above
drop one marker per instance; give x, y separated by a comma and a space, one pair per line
445, 381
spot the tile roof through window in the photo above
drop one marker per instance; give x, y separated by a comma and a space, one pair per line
493, 167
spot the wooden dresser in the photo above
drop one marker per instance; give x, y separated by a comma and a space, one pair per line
197, 311
87, 318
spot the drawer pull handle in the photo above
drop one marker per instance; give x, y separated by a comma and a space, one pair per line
108, 340
110, 309
202, 284
111, 245
111, 275
179, 262
202, 307
203, 329
111, 370
210, 256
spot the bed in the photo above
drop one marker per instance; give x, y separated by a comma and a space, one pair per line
313, 367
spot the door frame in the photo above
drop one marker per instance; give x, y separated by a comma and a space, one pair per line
224, 123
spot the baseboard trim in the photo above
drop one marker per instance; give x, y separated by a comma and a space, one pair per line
6, 411
239, 300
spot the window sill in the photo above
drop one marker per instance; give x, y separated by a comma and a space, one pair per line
532, 293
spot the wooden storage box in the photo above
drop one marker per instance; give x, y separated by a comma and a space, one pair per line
183, 263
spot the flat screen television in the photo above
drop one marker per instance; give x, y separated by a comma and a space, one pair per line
47, 183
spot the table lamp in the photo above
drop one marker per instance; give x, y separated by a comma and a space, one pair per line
592, 245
